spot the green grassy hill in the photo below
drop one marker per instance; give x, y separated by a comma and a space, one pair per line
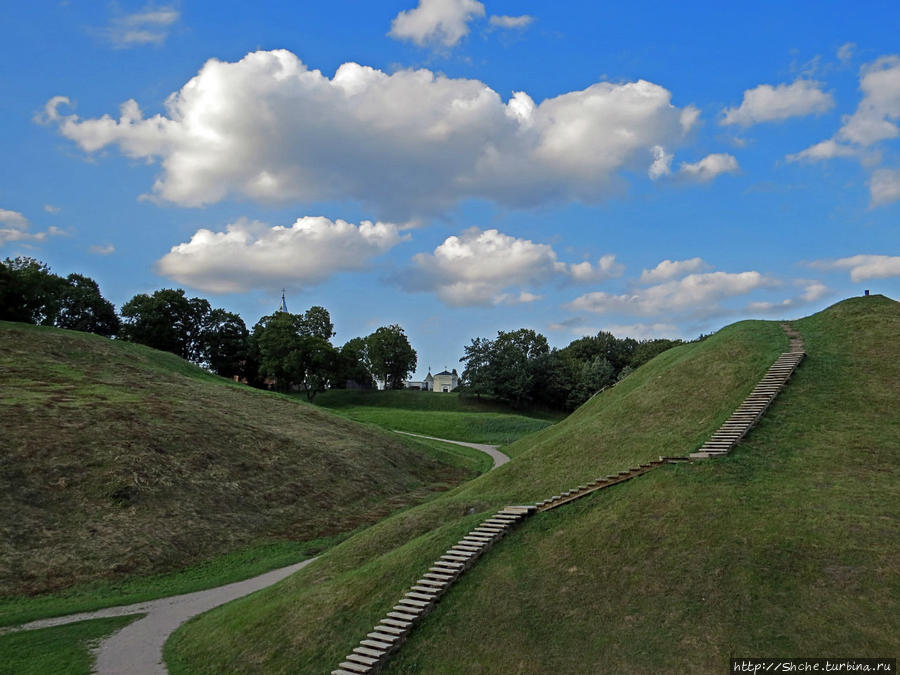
120, 461
785, 547
444, 415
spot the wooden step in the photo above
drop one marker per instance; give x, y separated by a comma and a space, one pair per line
377, 644
397, 623
403, 616
376, 654
355, 667
381, 636
361, 659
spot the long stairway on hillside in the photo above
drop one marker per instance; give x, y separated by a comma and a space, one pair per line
387, 636
748, 413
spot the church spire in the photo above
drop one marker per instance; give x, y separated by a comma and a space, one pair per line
283, 307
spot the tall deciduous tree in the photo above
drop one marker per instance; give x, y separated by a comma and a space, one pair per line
166, 320
31, 293
294, 349
391, 356
226, 343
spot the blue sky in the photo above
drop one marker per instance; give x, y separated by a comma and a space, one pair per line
460, 167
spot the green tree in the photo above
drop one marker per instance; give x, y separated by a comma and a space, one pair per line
293, 349
166, 320
477, 375
31, 293
81, 307
391, 356
226, 343
352, 365
515, 357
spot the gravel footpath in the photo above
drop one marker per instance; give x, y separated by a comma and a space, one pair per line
499, 457
137, 648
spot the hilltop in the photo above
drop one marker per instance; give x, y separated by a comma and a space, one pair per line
121, 461
785, 547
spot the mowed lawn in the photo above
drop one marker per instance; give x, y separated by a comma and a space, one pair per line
440, 415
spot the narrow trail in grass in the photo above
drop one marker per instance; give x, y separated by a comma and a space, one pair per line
137, 648
498, 457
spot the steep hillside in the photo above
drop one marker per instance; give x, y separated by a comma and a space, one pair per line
785, 547
312, 620
119, 460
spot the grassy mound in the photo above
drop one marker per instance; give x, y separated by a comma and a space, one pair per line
787, 547
443, 415
309, 622
120, 461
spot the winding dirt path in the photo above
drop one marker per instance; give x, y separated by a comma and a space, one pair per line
498, 457
137, 648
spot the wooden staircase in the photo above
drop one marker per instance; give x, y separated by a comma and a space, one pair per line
390, 632
605, 482
748, 413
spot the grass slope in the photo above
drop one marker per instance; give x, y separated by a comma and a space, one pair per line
443, 415
309, 622
121, 461
787, 547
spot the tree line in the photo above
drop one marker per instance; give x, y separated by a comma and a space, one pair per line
519, 367
285, 351
282, 351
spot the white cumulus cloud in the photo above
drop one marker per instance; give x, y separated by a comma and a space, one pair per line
250, 254
695, 294
436, 21
766, 103
863, 267
405, 144
483, 267
874, 119
671, 269
709, 167
884, 186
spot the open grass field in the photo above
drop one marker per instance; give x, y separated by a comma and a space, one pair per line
438, 414
786, 547
120, 462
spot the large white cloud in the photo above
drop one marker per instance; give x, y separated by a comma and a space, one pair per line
250, 254
409, 143
709, 167
436, 21
863, 267
695, 294
884, 186
766, 103
482, 267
